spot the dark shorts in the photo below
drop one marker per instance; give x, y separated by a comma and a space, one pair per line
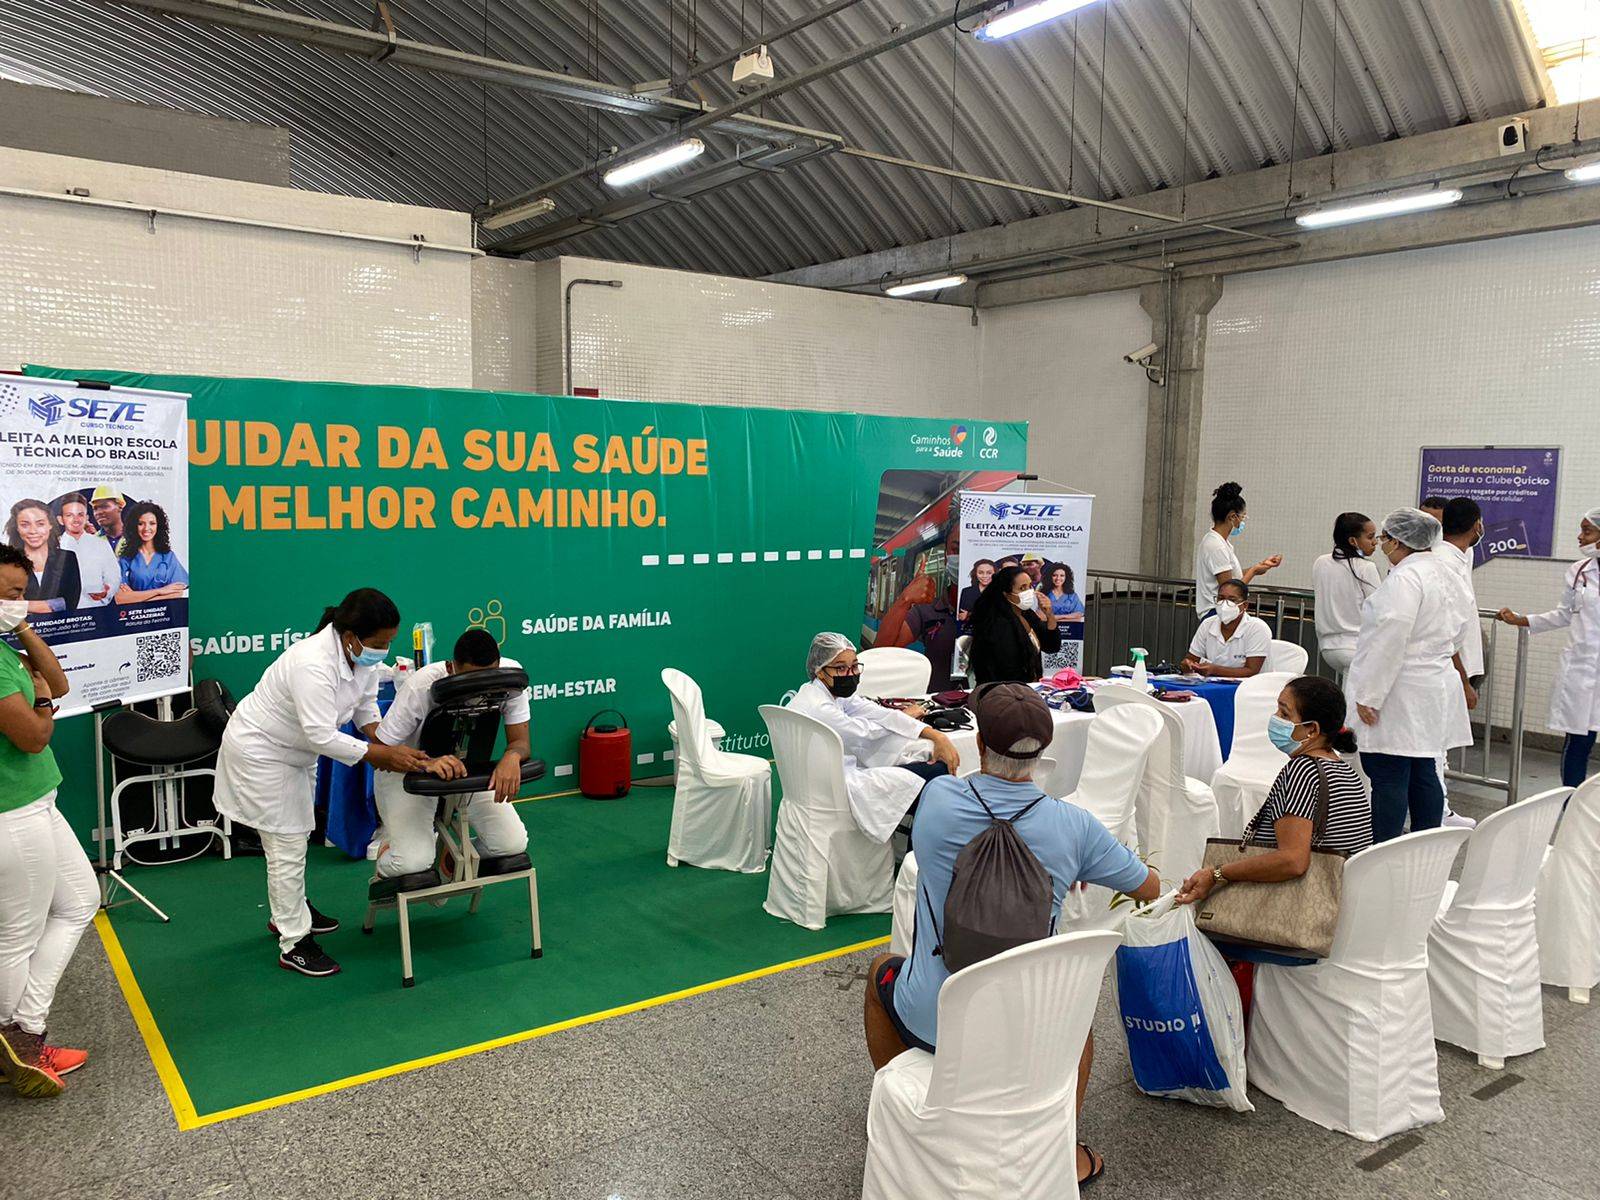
884, 982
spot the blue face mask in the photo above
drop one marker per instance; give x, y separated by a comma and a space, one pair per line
1281, 734
1237, 530
370, 657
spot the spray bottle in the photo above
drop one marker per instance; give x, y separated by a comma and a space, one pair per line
1141, 675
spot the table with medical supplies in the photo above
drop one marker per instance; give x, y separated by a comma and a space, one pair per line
1202, 752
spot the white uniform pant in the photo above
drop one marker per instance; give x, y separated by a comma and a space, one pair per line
286, 885
48, 896
408, 823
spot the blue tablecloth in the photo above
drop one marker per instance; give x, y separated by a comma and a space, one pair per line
345, 794
1217, 693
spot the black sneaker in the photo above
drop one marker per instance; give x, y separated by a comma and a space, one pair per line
320, 922
308, 958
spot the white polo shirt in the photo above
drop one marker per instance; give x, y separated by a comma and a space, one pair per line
1251, 639
1214, 555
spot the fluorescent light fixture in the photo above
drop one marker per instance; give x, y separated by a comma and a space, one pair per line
519, 212
1368, 210
925, 285
1026, 16
1587, 173
653, 164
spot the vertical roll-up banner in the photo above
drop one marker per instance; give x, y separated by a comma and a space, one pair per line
597, 540
94, 489
1046, 535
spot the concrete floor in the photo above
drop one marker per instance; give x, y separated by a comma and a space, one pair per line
757, 1092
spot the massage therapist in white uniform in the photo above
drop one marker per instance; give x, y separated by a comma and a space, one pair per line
266, 769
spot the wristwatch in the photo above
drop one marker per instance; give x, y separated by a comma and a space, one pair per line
1217, 877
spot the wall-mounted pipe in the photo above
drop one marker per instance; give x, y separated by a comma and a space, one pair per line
566, 326
415, 244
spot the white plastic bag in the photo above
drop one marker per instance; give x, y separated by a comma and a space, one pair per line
1180, 1009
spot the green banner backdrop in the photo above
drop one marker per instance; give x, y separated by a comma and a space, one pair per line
599, 540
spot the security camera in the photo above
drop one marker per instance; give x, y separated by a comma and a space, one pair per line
1142, 355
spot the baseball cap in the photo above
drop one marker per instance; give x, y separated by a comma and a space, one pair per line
1011, 713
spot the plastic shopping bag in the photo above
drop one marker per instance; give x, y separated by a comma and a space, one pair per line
1180, 1010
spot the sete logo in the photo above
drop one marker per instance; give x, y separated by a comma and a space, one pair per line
999, 511
47, 408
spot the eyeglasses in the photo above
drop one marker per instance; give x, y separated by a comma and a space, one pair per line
852, 669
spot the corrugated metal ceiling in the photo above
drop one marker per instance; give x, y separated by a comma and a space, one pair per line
1028, 109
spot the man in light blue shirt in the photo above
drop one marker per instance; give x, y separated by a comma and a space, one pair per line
1014, 728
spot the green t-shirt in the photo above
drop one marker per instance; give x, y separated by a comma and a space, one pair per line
24, 777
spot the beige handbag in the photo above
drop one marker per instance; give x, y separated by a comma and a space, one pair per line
1294, 917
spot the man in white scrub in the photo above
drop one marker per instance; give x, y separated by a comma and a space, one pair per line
888, 754
1463, 529
1231, 643
406, 859
98, 570
267, 766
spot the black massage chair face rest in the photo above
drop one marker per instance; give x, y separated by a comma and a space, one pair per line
465, 722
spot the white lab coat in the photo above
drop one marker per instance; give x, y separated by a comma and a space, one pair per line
1410, 628
1342, 586
266, 768
1471, 646
98, 568
1575, 701
877, 742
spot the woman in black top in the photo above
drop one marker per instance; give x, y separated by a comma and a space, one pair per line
1010, 627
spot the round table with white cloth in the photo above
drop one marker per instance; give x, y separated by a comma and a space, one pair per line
1202, 754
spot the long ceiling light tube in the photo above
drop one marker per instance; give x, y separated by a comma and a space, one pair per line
1025, 16
1385, 206
653, 164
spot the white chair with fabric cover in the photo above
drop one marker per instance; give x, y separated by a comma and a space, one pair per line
1114, 761
1568, 903
822, 864
716, 731
894, 671
1483, 955
1175, 813
1241, 784
1286, 657
992, 1115
1347, 1042
903, 925
722, 803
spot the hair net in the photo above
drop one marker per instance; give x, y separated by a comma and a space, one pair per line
1593, 517
825, 647
1412, 527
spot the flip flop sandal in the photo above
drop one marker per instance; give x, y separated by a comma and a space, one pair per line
1097, 1167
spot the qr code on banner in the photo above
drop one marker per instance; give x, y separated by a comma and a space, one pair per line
159, 655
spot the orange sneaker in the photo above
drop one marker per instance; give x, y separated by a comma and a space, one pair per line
20, 1066
62, 1060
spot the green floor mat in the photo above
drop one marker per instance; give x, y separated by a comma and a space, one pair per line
619, 927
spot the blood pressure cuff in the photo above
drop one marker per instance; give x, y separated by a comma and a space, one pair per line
949, 720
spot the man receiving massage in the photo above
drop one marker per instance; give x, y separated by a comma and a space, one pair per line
408, 851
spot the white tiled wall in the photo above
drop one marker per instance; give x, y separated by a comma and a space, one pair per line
506, 323
1058, 364
706, 339
90, 287
1322, 383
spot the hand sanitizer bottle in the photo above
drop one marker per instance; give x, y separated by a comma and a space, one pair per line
1141, 675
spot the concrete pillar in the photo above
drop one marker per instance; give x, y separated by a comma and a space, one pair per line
1179, 309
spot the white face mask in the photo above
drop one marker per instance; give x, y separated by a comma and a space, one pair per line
1028, 601
12, 614
1591, 551
1227, 611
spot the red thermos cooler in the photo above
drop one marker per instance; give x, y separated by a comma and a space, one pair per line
605, 758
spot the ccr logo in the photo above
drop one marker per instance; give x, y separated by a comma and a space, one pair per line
990, 437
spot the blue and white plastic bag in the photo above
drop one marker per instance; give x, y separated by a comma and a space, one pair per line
1180, 1010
